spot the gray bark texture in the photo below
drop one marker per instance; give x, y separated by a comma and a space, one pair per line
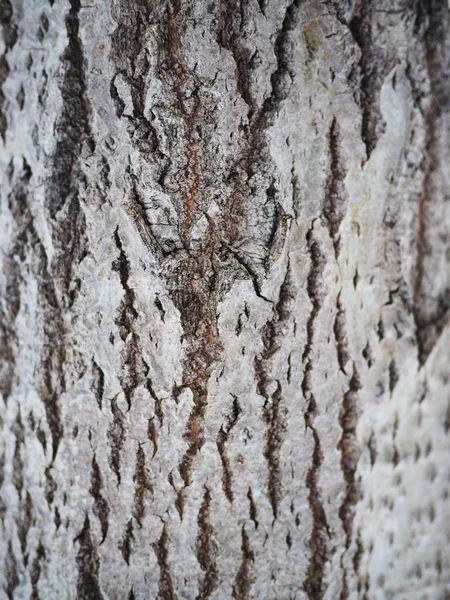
224, 291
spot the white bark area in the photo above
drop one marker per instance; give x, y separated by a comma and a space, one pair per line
223, 300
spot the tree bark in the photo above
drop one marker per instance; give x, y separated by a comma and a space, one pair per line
224, 296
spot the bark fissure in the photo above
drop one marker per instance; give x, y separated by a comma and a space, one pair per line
243, 582
273, 410
221, 441
143, 485
88, 587
350, 453
165, 584
116, 436
319, 552
206, 550
101, 508
9, 31
430, 321
336, 197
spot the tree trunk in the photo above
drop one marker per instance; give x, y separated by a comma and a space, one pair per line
224, 293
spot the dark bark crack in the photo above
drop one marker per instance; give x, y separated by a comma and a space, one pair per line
431, 317
134, 368
101, 508
165, 585
88, 587
116, 438
221, 441
9, 33
125, 544
319, 551
35, 571
98, 383
336, 197
243, 582
340, 335
273, 410
206, 550
350, 453
142, 485
374, 65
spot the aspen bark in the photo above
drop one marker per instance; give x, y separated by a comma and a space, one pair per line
224, 294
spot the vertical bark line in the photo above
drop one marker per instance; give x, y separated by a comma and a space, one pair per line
375, 63
340, 335
88, 587
190, 116
11, 572
221, 441
73, 127
165, 584
35, 572
134, 368
232, 19
143, 485
98, 383
319, 553
350, 453
116, 436
101, 507
243, 582
336, 196
206, 550
272, 336
125, 544
17, 202
436, 45
50, 378
9, 33
68, 223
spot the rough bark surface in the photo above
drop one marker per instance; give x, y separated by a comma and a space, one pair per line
224, 294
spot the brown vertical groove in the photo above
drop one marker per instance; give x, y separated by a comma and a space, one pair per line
336, 197
195, 280
116, 437
350, 453
35, 571
125, 545
18, 205
9, 31
142, 487
319, 553
11, 572
221, 441
12, 272
165, 585
67, 222
24, 523
272, 336
243, 582
376, 60
50, 380
340, 335
101, 508
436, 48
206, 550
88, 587
134, 369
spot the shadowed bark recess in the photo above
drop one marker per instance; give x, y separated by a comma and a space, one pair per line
224, 292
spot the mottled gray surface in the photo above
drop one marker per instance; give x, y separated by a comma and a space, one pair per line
224, 350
